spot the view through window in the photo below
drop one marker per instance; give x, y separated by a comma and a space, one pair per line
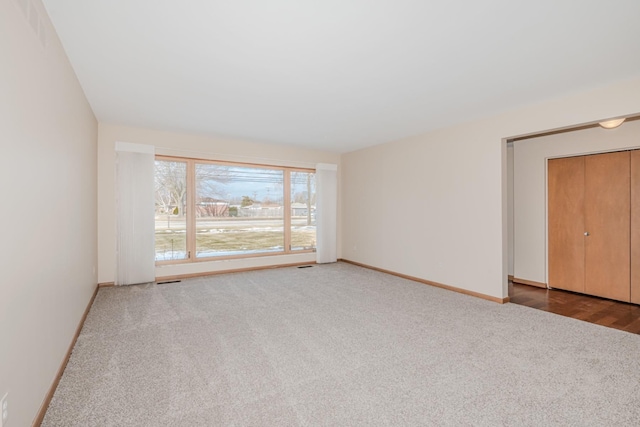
210, 209
171, 209
303, 210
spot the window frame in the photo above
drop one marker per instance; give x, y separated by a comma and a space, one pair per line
190, 217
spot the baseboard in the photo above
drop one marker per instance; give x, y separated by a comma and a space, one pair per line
431, 283
106, 284
510, 277
236, 270
47, 399
529, 282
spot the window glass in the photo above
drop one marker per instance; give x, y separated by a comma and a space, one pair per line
206, 209
239, 210
171, 210
303, 210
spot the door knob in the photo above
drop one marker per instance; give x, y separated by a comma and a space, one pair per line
586, 233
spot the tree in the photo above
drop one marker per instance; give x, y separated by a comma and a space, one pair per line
208, 179
246, 201
171, 184
303, 187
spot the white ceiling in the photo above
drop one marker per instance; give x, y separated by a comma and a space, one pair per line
337, 74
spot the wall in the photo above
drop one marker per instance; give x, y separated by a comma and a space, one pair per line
530, 186
510, 208
198, 146
417, 207
434, 206
48, 174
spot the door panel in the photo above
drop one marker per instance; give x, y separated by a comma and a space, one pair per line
566, 223
607, 220
635, 227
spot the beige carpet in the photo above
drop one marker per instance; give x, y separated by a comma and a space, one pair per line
338, 345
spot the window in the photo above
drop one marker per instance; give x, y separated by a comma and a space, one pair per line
303, 210
210, 210
171, 210
255, 199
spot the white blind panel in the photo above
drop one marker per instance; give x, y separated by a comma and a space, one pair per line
326, 213
135, 251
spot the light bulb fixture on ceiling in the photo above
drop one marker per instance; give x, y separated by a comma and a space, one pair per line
610, 124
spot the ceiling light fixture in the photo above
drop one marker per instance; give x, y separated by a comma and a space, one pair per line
610, 124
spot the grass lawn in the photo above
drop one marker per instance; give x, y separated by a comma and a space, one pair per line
234, 239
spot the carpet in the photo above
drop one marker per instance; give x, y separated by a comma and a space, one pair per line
341, 345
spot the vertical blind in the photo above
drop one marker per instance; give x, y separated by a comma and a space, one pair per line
326, 212
135, 259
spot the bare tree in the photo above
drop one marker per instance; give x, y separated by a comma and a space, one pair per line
304, 190
171, 184
208, 180
170, 187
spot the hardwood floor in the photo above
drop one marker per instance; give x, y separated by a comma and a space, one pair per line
601, 311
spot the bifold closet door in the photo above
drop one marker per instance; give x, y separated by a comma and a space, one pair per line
607, 216
566, 223
589, 212
635, 226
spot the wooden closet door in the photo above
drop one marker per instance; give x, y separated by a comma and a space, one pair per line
607, 218
566, 223
635, 226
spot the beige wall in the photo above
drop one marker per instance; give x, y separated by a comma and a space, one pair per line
425, 207
434, 206
198, 146
510, 208
530, 194
48, 176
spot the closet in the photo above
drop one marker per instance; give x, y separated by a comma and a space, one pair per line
594, 224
